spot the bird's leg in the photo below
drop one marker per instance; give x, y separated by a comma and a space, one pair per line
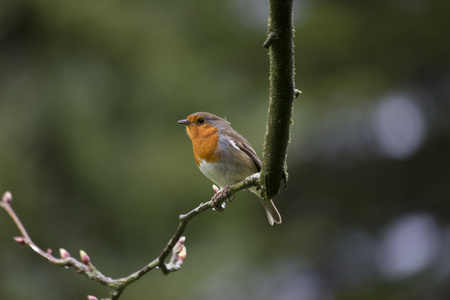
220, 193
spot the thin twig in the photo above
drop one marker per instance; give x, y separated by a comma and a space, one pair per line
270, 37
175, 245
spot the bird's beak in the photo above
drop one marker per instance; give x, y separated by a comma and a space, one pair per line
184, 122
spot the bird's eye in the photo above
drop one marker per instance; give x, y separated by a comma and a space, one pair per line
201, 121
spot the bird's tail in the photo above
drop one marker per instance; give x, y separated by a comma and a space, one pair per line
272, 212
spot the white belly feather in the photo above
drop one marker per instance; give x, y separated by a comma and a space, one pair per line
223, 174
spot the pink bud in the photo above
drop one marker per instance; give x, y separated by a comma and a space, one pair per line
215, 188
20, 239
177, 248
182, 254
90, 297
7, 197
63, 253
85, 258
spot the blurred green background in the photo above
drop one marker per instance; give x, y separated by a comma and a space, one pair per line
90, 95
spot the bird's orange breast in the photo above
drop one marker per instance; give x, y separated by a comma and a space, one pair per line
204, 142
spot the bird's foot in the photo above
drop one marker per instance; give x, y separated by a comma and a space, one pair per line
219, 205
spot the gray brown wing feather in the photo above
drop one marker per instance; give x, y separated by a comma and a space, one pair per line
244, 145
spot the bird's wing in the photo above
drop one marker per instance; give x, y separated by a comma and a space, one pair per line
242, 144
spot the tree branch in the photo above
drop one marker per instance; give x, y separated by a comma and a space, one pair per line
175, 245
280, 41
282, 92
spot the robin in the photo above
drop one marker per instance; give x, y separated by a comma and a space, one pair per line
223, 155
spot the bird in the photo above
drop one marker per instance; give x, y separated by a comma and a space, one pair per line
224, 156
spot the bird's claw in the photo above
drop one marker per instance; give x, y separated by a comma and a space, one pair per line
220, 206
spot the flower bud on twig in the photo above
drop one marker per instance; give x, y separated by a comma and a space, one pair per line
63, 253
85, 258
7, 197
182, 240
179, 253
179, 245
20, 239
90, 297
182, 254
